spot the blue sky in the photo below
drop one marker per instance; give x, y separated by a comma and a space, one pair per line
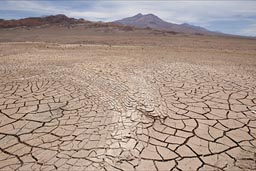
228, 16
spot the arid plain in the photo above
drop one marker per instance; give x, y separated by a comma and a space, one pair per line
127, 100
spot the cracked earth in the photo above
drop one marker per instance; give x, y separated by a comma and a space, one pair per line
98, 107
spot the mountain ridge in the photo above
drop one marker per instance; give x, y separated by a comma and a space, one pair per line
154, 22
59, 19
139, 21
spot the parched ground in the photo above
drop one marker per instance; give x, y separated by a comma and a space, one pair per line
127, 107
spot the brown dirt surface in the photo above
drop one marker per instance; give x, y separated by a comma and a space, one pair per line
128, 100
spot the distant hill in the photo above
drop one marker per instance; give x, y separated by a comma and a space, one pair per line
154, 22
62, 20
139, 21
39, 21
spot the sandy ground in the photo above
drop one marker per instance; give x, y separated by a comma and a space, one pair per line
164, 105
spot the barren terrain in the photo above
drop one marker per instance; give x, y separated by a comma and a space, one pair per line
151, 101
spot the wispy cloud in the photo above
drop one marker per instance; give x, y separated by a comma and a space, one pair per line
250, 30
203, 13
32, 6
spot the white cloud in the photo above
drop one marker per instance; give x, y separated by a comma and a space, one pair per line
29, 6
250, 30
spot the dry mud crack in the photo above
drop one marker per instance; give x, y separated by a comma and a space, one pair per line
112, 108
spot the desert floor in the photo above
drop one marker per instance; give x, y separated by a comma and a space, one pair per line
124, 106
